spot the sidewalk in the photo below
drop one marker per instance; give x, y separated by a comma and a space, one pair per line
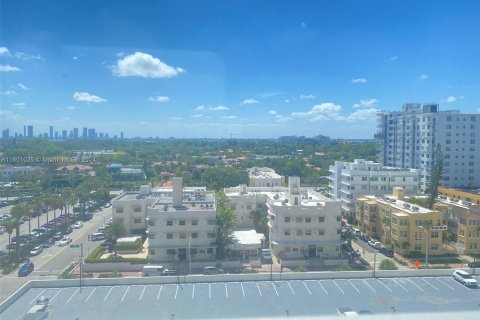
370, 257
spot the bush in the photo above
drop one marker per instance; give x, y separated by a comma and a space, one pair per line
343, 267
249, 271
114, 274
388, 264
364, 262
94, 254
67, 273
301, 269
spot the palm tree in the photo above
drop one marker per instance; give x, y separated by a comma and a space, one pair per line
18, 211
115, 231
29, 214
9, 226
37, 206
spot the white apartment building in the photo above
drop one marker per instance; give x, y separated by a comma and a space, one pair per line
347, 180
181, 224
131, 208
409, 138
304, 224
265, 177
8, 171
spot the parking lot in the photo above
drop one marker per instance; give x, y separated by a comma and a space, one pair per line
253, 299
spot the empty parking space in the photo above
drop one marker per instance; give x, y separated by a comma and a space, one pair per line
252, 299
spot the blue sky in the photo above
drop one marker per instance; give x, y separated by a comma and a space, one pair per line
247, 69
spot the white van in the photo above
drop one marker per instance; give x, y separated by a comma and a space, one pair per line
152, 271
97, 236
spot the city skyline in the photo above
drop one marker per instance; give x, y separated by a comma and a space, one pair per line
62, 134
271, 69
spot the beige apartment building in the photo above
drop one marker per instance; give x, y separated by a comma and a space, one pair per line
265, 177
394, 221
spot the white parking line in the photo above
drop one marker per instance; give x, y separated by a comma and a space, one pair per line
108, 294
335, 283
371, 288
306, 287
383, 284
176, 291
460, 284
144, 287
291, 287
415, 285
431, 285
226, 290
34, 299
128, 288
398, 284
353, 286
72, 295
258, 287
159, 292
445, 284
243, 291
274, 288
88, 298
322, 287
56, 295
193, 291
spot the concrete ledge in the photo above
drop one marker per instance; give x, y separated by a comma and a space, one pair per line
225, 278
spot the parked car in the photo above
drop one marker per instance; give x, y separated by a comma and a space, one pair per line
169, 272
152, 271
266, 254
68, 230
58, 236
36, 251
2, 230
386, 252
25, 269
346, 312
65, 241
475, 264
97, 236
212, 270
78, 225
465, 278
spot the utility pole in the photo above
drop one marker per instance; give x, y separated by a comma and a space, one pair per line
189, 255
81, 266
374, 263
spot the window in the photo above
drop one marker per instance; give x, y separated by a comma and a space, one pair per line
298, 219
171, 252
194, 222
119, 210
151, 223
169, 223
169, 235
287, 232
403, 222
182, 236
137, 209
151, 252
434, 235
287, 219
339, 218
321, 219
181, 222
403, 234
287, 249
418, 247
434, 246
194, 235
151, 236
308, 232
418, 236
249, 207
321, 232
137, 220
308, 220
193, 251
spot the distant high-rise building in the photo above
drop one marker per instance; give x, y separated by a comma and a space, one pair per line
92, 134
85, 133
409, 138
121, 135
51, 132
24, 131
30, 132
56, 135
75, 133
64, 134
6, 133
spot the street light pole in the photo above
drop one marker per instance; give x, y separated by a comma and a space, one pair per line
81, 267
189, 255
426, 245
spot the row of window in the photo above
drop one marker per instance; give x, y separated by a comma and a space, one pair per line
306, 219
194, 235
433, 247
305, 232
193, 251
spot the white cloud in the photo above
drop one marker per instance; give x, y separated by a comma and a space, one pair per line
175, 118
424, 76
200, 108
219, 108
303, 25
393, 58
4, 51
365, 103
321, 111
282, 119
272, 112
7, 115
269, 94
26, 56
144, 65
307, 97
363, 115
9, 68
19, 104
159, 99
8, 93
21, 85
451, 99
87, 97
120, 54
359, 80
71, 107
75, 58
229, 117
286, 100
250, 101
197, 116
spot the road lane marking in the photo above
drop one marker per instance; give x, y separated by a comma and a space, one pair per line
398, 284
56, 295
445, 284
209, 291
108, 294
273, 285
383, 284
258, 287
176, 291
72, 295
88, 298
226, 290
159, 292
322, 287
291, 287
353, 286
193, 291
431, 285
243, 291
415, 285
334, 282
144, 287
34, 299
306, 287
125, 293
371, 288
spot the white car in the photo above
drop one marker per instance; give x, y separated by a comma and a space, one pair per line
36, 251
77, 225
65, 241
266, 254
465, 278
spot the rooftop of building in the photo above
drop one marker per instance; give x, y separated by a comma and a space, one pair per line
310, 198
397, 203
265, 173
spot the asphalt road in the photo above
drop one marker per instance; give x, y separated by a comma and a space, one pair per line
52, 261
409, 297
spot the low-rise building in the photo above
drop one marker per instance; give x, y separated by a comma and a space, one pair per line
464, 196
348, 180
265, 177
406, 226
7, 172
